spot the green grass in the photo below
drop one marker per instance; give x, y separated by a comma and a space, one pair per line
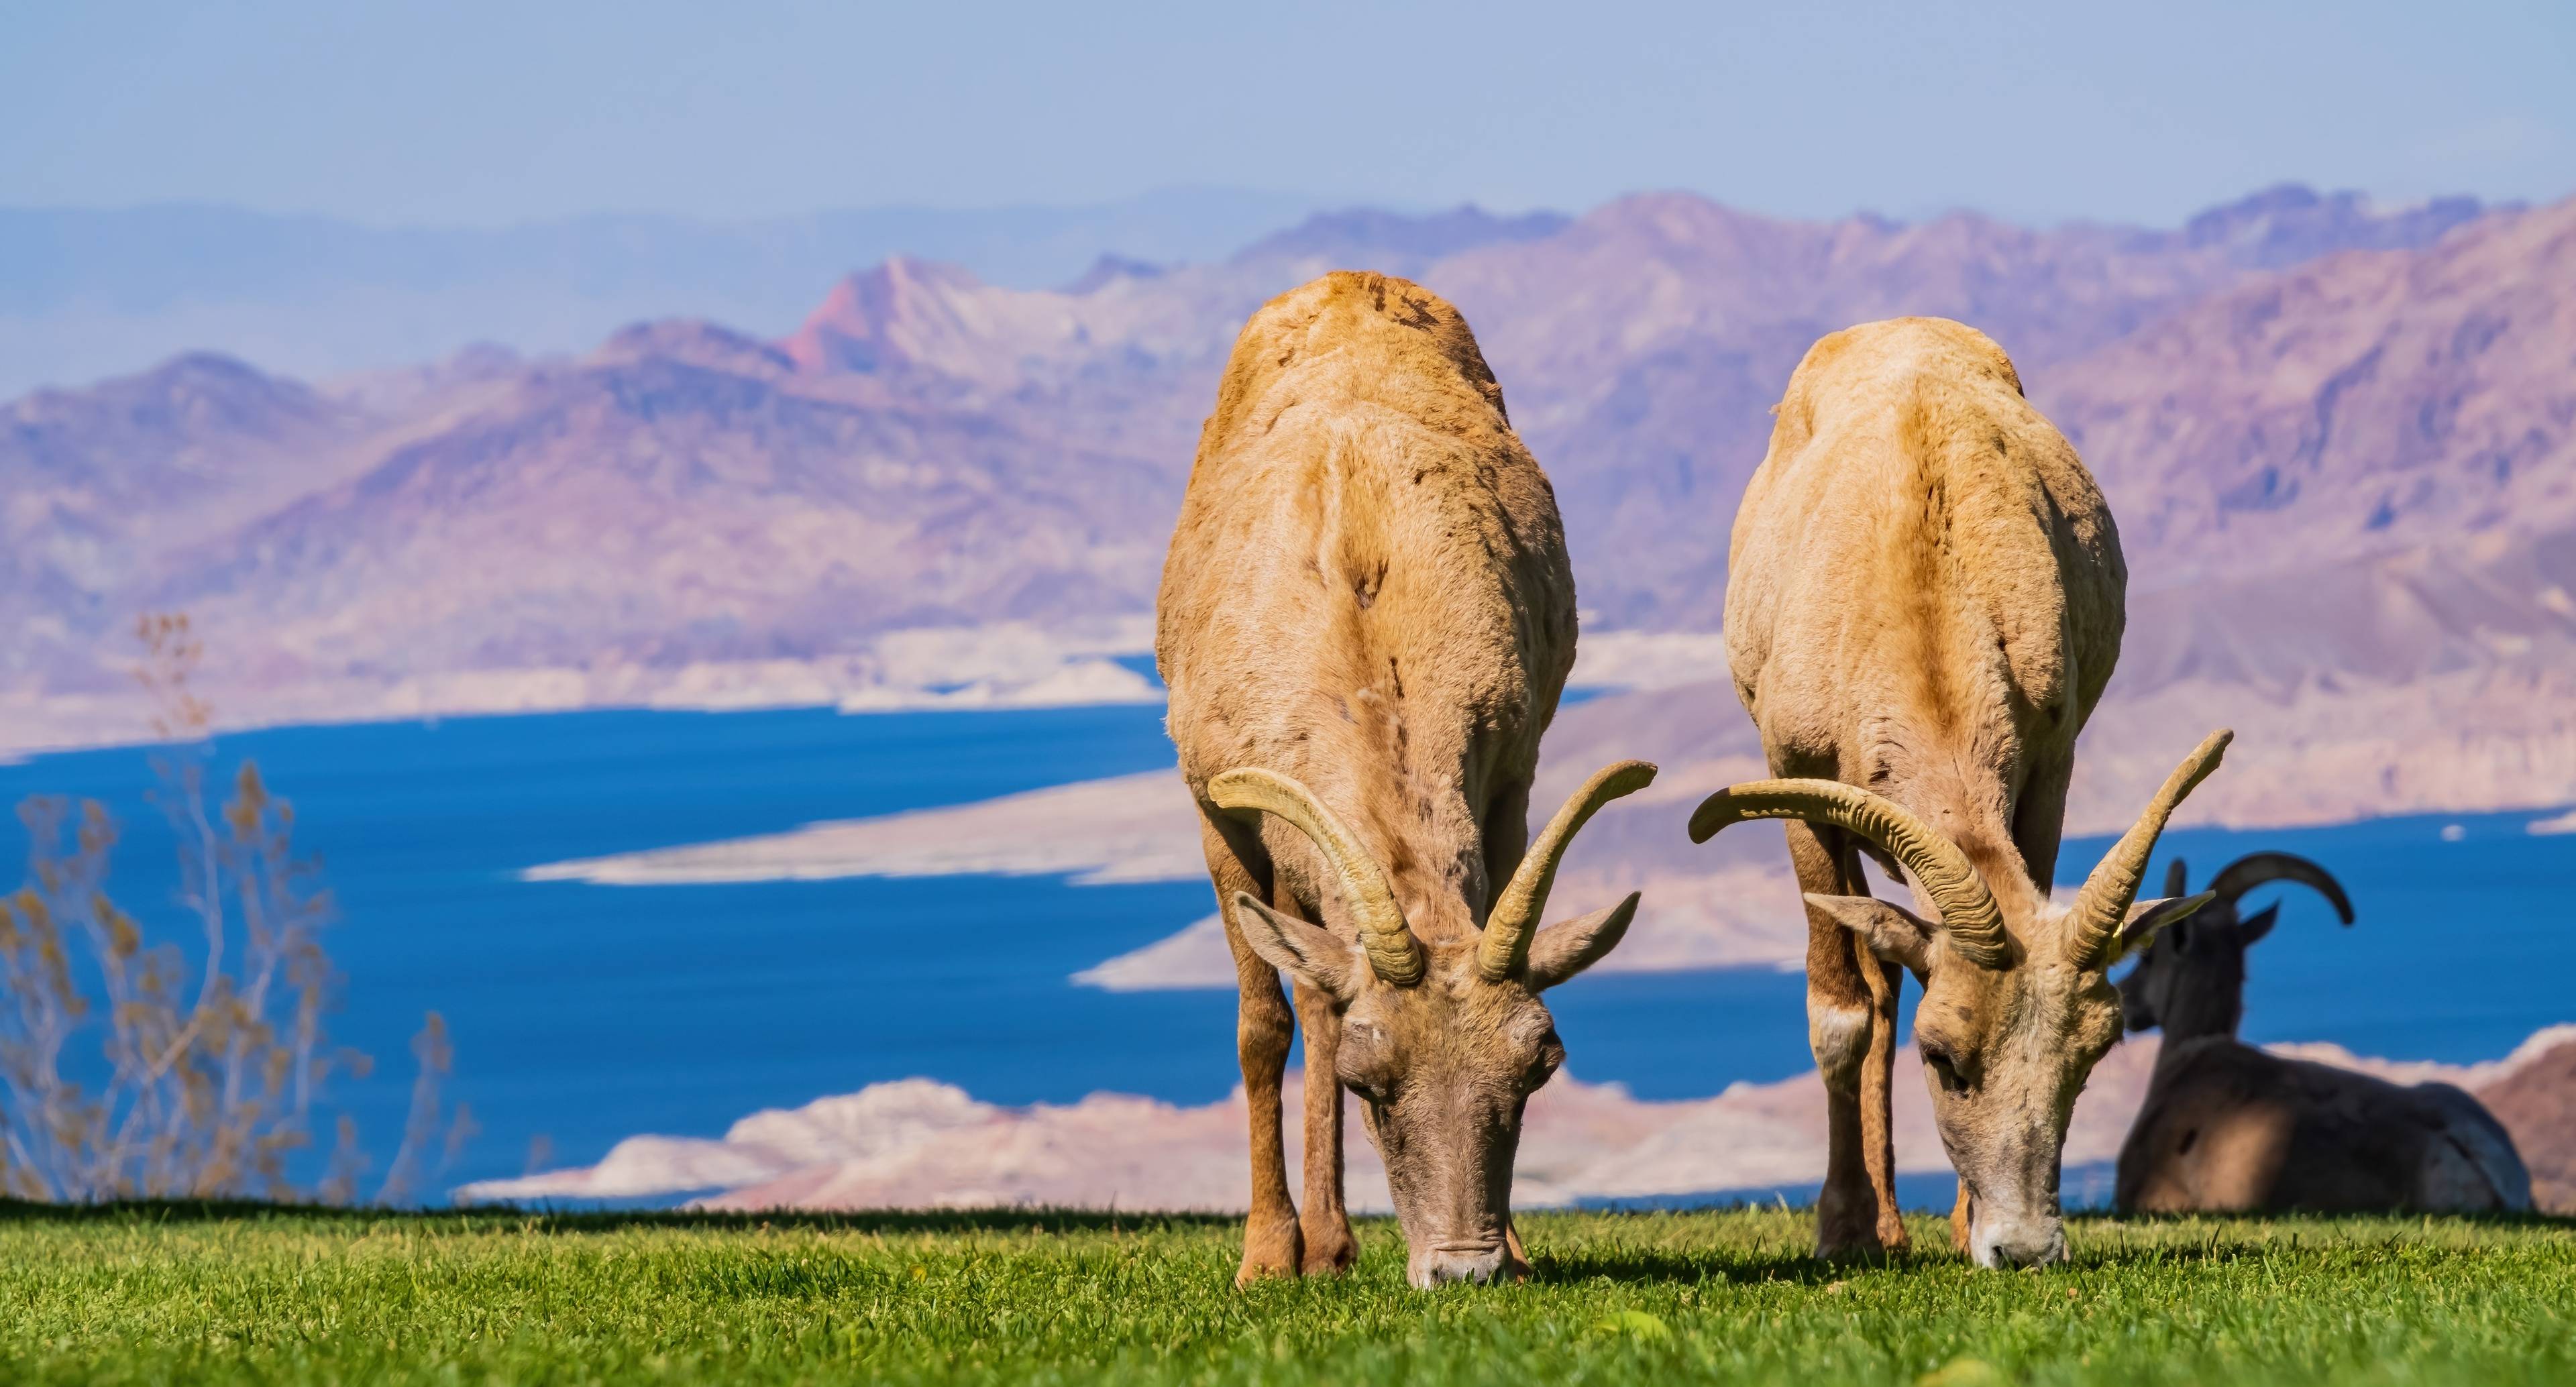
161, 1293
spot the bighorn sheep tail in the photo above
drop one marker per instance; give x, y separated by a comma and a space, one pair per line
1970, 920
2262, 868
2103, 905
1510, 925
1393, 952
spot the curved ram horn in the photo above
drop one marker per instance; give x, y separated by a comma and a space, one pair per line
1393, 953
2103, 905
1970, 919
2262, 868
1509, 926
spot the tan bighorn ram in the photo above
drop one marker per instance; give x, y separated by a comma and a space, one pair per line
2228, 1128
1925, 601
1365, 622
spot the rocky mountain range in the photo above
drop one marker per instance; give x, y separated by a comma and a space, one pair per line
87, 293
2337, 438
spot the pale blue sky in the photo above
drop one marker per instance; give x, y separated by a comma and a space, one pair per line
486, 113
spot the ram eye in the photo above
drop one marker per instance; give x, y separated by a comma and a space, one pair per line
1945, 1070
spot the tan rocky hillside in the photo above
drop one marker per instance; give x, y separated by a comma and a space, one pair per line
2368, 402
2536, 1102
682, 491
930, 451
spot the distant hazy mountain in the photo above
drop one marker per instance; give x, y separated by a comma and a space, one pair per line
2286, 224
2337, 439
1644, 346
86, 294
2347, 494
2361, 403
1396, 244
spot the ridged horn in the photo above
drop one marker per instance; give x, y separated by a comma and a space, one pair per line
2263, 868
1393, 953
1970, 919
2103, 904
1513, 921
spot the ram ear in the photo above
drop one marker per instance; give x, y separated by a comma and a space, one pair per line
1892, 932
2146, 917
1314, 956
1569, 946
2258, 924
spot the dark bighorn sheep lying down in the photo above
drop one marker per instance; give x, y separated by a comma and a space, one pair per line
2227, 1128
1365, 621
1925, 601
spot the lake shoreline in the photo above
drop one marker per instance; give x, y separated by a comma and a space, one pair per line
584, 1014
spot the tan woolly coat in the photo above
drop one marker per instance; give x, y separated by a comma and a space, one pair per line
1927, 591
1924, 604
1366, 620
1368, 591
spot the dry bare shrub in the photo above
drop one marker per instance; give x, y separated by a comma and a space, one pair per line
129, 1069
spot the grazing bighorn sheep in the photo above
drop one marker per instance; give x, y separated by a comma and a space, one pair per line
2228, 1128
1365, 622
1924, 604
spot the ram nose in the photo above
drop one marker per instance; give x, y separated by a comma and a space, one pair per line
2024, 1242
1444, 1263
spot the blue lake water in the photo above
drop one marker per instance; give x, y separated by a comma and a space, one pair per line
584, 1013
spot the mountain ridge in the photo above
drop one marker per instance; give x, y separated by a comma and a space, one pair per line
90, 293
929, 450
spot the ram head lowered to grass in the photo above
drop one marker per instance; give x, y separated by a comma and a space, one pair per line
1926, 599
1366, 620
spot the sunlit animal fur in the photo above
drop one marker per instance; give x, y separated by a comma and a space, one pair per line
1366, 619
1925, 601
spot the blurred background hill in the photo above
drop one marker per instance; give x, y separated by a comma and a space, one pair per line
93, 293
2337, 435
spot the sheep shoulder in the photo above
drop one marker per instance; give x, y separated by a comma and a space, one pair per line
1907, 477
1366, 552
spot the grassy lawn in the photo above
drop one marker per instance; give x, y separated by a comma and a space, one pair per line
182, 1292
